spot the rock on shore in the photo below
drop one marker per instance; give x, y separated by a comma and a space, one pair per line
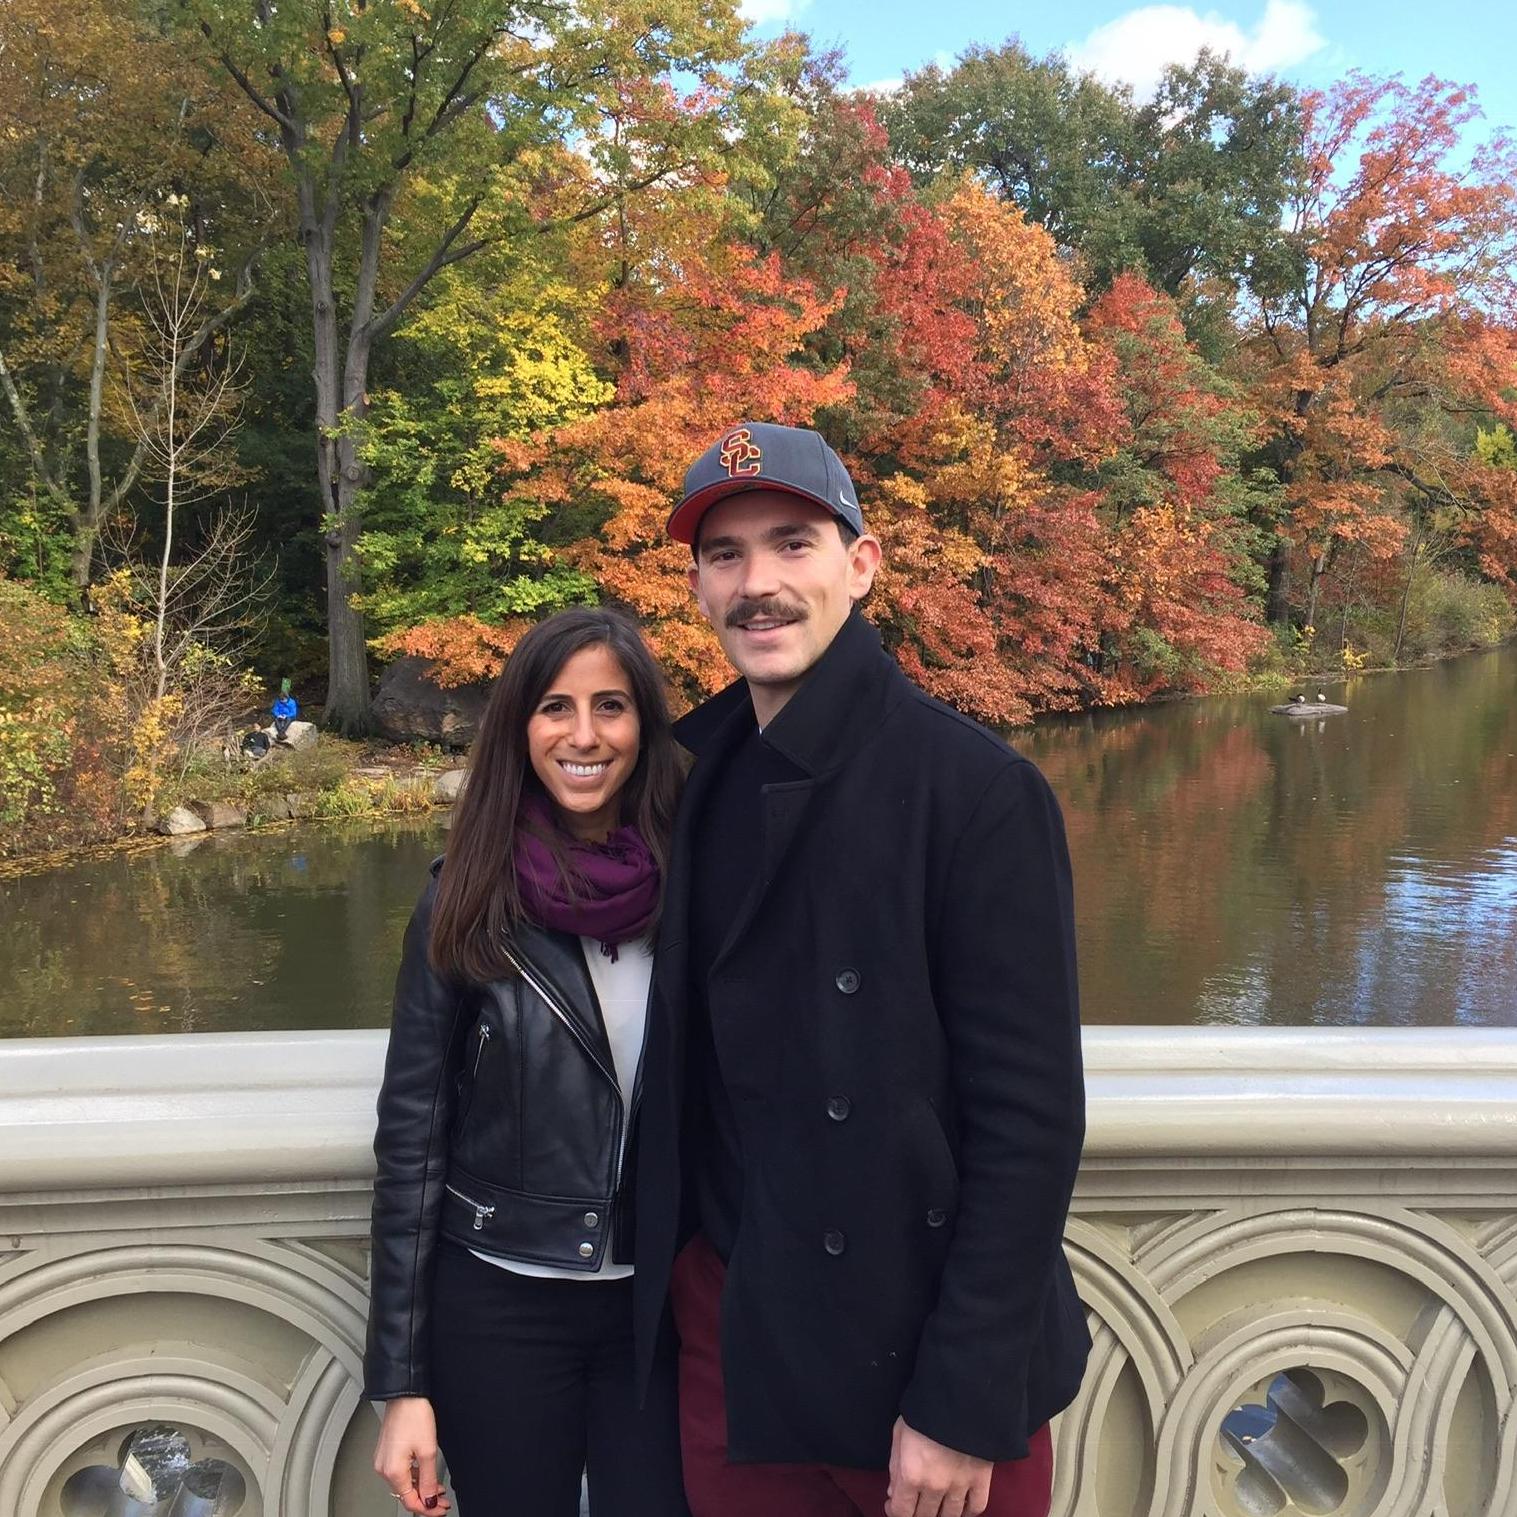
179, 821
410, 706
219, 814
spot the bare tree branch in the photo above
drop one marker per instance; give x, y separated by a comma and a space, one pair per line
444, 254
29, 436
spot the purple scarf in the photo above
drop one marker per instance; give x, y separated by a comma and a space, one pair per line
612, 892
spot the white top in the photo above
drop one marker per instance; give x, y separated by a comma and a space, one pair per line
622, 990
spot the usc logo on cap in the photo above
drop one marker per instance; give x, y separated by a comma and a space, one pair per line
740, 455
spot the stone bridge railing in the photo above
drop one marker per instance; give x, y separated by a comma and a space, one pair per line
1299, 1251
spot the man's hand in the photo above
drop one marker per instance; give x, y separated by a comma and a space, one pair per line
929, 1480
406, 1456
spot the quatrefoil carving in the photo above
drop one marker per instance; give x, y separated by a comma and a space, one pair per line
1292, 1449
161, 1477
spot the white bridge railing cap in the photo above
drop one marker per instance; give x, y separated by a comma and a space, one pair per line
81, 1114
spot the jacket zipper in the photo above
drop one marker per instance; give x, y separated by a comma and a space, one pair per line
481, 1211
479, 1053
551, 1002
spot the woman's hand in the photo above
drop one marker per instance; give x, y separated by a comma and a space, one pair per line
405, 1457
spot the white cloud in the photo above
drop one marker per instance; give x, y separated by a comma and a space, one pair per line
1136, 48
878, 87
761, 12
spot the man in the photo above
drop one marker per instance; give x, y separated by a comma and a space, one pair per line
862, 1102
285, 712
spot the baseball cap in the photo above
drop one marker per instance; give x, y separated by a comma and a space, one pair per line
761, 455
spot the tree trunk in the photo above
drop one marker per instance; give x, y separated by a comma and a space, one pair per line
1406, 594
1277, 597
1319, 564
347, 706
347, 709
87, 518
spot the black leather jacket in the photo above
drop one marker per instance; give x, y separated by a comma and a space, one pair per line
500, 1127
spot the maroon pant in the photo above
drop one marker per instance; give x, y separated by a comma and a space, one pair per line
1018, 1488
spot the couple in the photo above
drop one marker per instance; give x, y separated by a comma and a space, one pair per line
834, 1121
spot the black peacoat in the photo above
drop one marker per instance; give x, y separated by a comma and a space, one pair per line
897, 1018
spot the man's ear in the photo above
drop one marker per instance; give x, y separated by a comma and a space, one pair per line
864, 555
693, 578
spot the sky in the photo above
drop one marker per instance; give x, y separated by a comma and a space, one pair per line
1468, 42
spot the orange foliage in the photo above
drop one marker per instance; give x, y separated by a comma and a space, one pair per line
1402, 307
1057, 489
1172, 552
702, 342
462, 650
1014, 581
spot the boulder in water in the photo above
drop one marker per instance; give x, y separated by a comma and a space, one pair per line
1309, 709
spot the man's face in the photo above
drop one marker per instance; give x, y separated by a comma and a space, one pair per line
775, 579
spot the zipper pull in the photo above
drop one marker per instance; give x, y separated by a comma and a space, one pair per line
484, 1037
480, 1213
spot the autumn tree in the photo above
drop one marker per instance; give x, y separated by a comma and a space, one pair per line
704, 331
104, 118
1174, 501
1059, 502
992, 594
415, 138
1390, 302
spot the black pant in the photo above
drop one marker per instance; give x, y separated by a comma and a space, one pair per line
532, 1385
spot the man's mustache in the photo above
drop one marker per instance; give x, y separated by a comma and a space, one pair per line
749, 610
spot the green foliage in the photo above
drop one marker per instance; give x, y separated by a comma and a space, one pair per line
1040, 133
1452, 613
34, 532
1213, 152
274, 447
488, 363
208, 777
1183, 189
1497, 448
47, 684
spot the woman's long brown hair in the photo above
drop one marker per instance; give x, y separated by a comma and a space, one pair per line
478, 902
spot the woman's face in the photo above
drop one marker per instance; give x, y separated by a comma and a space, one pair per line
583, 740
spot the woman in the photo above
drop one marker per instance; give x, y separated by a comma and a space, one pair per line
500, 1318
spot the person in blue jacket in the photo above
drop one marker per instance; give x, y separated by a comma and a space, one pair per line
285, 711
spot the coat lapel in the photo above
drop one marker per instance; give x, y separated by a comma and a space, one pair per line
559, 959
839, 705
785, 808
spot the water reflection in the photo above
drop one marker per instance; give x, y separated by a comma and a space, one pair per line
1231, 867
294, 928
1238, 867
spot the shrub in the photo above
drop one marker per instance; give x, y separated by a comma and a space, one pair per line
55, 754
1450, 613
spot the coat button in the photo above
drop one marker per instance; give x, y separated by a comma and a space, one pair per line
838, 1108
592, 1219
936, 1217
834, 1242
586, 1250
848, 981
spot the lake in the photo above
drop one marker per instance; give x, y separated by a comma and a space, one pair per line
1231, 866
